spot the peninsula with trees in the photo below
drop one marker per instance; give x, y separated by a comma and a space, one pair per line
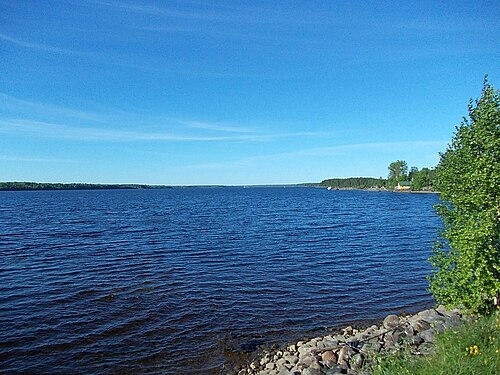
399, 179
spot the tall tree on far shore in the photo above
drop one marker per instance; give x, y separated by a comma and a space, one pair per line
397, 172
466, 257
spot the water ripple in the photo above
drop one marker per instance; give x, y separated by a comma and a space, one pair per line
180, 281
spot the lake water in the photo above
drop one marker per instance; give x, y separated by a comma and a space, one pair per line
180, 281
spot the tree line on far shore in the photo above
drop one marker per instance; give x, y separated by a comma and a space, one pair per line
72, 186
414, 179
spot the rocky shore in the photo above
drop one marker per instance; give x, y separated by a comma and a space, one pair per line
352, 351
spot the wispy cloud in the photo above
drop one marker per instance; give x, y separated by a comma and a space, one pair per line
382, 146
321, 152
216, 127
37, 46
53, 130
231, 33
33, 118
12, 103
33, 159
65, 131
202, 12
38, 119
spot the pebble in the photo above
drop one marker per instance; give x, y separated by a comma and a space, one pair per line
331, 355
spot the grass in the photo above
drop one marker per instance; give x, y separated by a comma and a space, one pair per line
473, 349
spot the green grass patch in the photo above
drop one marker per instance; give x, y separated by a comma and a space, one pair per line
473, 349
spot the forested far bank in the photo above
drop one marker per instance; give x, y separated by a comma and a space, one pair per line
399, 178
355, 183
73, 186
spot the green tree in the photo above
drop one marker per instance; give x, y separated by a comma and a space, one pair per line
422, 179
413, 172
397, 172
466, 257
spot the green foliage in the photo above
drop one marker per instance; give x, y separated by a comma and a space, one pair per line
72, 186
472, 349
397, 172
466, 257
423, 179
354, 183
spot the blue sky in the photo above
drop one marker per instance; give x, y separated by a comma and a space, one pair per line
235, 92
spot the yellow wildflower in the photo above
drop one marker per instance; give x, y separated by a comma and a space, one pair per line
473, 350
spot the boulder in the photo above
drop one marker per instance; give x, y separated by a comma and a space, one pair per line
427, 335
391, 321
329, 359
421, 325
431, 316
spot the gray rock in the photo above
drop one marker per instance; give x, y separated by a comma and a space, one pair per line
416, 340
333, 371
320, 345
407, 332
356, 361
391, 338
270, 366
311, 371
372, 346
391, 321
453, 321
314, 341
304, 350
345, 354
427, 335
281, 362
308, 360
264, 360
372, 328
431, 316
444, 311
439, 326
344, 368
330, 343
291, 358
347, 330
421, 325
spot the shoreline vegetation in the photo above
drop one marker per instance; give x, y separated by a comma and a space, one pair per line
465, 275
416, 344
399, 179
340, 184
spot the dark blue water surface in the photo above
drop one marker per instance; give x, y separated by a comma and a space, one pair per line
177, 281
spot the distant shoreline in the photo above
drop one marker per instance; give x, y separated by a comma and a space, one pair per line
36, 186
40, 186
28, 186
